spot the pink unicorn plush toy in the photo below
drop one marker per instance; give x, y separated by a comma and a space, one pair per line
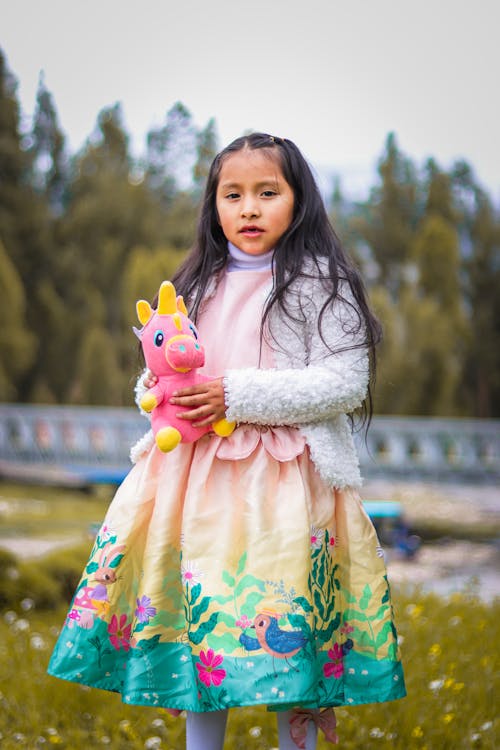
172, 351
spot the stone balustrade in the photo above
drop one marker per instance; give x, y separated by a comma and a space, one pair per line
92, 444
431, 447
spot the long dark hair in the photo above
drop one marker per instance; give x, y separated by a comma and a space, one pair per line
310, 242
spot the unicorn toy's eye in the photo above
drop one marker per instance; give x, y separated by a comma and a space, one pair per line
158, 338
193, 329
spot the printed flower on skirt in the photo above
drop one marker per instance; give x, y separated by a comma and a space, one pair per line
208, 672
119, 632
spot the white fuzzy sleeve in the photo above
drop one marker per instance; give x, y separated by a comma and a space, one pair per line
281, 397
139, 390
317, 384
146, 441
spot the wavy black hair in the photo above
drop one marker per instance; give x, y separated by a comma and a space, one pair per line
309, 242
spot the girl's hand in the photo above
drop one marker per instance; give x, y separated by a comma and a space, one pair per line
150, 380
207, 400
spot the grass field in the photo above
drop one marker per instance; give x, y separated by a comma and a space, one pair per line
449, 648
48, 512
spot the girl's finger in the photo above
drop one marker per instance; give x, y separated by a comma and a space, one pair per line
199, 413
189, 400
192, 390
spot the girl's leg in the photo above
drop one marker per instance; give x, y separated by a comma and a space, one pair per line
285, 740
205, 731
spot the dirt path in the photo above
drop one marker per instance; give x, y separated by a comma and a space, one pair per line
27, 548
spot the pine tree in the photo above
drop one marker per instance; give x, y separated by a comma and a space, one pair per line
16, 198
440, 199
109, 214
170, 154
18, 345
25, 227
206, 150
388, 220
389, 397
483, 297
99, 375
48, 151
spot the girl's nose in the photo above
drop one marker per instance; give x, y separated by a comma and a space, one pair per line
249, 209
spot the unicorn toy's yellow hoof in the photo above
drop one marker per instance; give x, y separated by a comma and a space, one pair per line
167, 439
223, 428
148, 402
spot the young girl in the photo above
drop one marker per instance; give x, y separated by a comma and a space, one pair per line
242, 571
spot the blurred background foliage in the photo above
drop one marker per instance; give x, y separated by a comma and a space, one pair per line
83, 236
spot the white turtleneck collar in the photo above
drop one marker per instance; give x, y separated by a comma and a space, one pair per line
241, 261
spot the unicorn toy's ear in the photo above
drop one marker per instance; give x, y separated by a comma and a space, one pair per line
144, 311
138, 332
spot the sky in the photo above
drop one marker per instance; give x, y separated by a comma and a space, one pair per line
334, 76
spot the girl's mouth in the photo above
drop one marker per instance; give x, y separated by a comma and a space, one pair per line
251, 231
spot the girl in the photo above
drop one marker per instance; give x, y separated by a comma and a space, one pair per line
244, 570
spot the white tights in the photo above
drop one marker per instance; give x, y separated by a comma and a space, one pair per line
205, 731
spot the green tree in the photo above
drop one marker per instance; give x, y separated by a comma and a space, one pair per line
436, 253
170, 151
15, 164
99, 379
387, 221
389, 393
440, 199
25, 222
50, 160
483, 298
433, 307
418, 370
142, 275
431, 367
206, 150
107, 216
17, 343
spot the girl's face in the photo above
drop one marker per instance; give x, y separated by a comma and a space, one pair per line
254, 201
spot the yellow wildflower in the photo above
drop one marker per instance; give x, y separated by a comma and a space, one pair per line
417, 732
435, 650
414, 610
447, 718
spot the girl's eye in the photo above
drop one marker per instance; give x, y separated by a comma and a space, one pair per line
193, 329
158, 338
268, 193
232, 196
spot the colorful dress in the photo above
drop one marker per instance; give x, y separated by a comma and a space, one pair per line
228, 573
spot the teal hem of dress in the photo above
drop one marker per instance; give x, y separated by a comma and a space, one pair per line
272, 707
397, 693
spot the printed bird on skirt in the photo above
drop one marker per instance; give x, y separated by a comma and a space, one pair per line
273, 639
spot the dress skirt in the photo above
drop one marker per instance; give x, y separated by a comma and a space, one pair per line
215, 583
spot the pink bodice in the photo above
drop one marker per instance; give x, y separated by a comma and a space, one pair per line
230, 331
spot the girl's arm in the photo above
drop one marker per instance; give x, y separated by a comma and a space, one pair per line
321, 385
